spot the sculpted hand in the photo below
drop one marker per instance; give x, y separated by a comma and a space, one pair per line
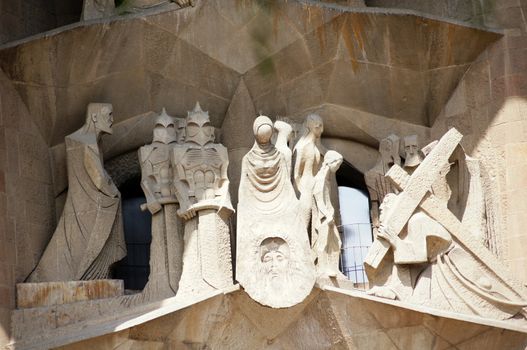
189, 214
185, 2
386, 234
153, 207
186, 214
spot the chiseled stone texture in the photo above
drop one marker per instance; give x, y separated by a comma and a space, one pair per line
31, 295
292, 56
26, 199
326, 320
489, 106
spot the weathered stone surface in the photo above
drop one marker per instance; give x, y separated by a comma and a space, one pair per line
273, 261
32, 295
459, 274
328, 319
89, 237
201, 187
157, 177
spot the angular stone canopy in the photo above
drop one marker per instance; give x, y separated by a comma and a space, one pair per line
389, 64
330, 318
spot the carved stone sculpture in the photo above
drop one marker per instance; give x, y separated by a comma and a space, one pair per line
89, 237
273, 263
166, 248
412, 157
325, 237
202, 189
142, 5
93, 9
308, 154
435, 261
378, 185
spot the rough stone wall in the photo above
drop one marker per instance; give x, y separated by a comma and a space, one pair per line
19, 19
471, 11
490, 108
26, 201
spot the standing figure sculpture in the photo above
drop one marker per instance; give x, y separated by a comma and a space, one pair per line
271, 228
432, 259
325, 236
378, 185
308, 154
202, 189
166, 248
89, 237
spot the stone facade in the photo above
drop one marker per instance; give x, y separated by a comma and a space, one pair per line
368, 72
489, 108
20, 19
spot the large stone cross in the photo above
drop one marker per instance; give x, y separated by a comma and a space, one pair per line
415, 193
417, 186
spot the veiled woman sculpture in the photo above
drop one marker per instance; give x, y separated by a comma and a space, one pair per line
270, 224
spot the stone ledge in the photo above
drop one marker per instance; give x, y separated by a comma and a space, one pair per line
33, 295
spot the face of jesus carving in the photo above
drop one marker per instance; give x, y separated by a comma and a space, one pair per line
275, 257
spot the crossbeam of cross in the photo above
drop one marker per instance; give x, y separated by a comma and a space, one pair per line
436, 209
418, 185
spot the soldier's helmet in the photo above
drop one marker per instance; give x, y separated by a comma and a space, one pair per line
198, 129
164, 129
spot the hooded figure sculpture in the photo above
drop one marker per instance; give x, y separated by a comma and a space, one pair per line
202, 190
269, 217
166, 247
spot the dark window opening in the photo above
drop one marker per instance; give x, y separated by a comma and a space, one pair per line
134, 269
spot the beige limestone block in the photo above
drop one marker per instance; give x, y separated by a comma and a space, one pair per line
31, 295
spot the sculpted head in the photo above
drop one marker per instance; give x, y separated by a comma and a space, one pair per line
164, 129
333, 160
199, 129
274, 255
99, 117
389, 150
411, 151
263, 130
315, 125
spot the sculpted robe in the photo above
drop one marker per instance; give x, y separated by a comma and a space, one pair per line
89, 237
267, 209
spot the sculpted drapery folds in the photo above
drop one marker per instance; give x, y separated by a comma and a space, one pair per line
378, 185
89, 237
166, 247
325, 237
434, 260
202, 189
270, 216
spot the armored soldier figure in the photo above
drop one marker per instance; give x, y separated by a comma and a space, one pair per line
202, 189
166, 246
